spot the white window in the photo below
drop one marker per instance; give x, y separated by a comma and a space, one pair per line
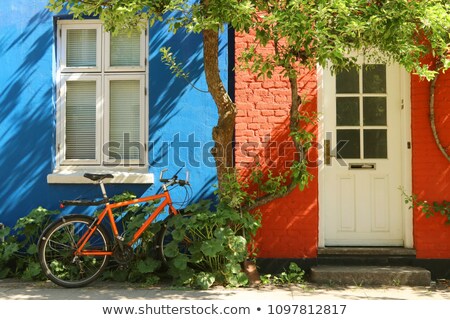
102, 105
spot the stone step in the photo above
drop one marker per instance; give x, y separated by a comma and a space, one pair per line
366, 251
370, 275
365, 256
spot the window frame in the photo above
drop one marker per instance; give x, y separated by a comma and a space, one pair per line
107, 61
66, 25
61, 141
107, 80
102, 76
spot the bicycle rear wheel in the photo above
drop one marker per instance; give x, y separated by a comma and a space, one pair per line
57, 245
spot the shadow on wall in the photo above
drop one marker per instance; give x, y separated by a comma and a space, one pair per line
290, 224
182, 112
27, 117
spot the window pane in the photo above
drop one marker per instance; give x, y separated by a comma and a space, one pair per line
375, 144
124, 125
374, 111
347, 111
80, 119
81, 48
348, 144
347, 81
374, 78
126, 49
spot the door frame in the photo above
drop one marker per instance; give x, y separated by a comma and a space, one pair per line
406, 155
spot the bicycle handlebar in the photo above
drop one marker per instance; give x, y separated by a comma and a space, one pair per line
174, 179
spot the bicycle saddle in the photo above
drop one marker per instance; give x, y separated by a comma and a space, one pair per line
96, 177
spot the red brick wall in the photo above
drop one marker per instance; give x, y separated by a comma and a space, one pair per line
290, 225
431, 171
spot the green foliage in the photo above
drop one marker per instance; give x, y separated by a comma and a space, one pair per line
210, 242
269, 183
169, 60
234, 192
275, 184
294, 275
424, 206
301, 31
18, 251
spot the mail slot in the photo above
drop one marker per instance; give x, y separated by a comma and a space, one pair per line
355, 166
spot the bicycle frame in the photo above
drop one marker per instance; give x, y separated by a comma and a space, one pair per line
108, 212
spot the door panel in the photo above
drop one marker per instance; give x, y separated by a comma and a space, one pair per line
361, 111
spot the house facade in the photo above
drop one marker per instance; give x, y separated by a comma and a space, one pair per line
77, 99
374, 139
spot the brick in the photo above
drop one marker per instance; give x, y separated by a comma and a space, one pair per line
253, 126
281, 113
242, 125
267, 112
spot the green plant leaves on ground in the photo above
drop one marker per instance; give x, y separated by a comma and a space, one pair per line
18, 251
206, 246
293, 275
219, 237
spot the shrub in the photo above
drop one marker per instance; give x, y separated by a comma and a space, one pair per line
18, 251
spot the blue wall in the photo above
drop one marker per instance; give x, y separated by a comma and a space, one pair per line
180, 124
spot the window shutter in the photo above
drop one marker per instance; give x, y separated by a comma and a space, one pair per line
80, 120
125, 49
124, 118
81, 48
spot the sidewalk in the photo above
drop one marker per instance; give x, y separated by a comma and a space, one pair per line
11, 289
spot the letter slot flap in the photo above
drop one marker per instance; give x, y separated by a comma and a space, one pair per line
356, 166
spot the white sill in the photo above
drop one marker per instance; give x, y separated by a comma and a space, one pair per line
69, 176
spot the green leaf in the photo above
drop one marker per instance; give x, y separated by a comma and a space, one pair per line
171, 250
204, 280
238, 280
10, 249
148, 265
180, 262
234, 268
212, 247
32, 249
32, 271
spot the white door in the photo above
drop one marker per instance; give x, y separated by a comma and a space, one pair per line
361, 202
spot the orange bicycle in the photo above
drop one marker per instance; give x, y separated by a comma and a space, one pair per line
75, 249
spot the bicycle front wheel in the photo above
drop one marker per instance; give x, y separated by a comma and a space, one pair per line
58, 244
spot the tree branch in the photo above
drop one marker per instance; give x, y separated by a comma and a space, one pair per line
293, 127
433, 120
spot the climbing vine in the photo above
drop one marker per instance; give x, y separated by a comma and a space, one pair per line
433, 119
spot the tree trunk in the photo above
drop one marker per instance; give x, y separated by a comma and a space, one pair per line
223, 132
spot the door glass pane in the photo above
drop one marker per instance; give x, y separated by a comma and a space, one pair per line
81, 48
375, 144
347, 81
374, 111
126, 49
348, 144
347, 111
124, 124
374, 78
80, 119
